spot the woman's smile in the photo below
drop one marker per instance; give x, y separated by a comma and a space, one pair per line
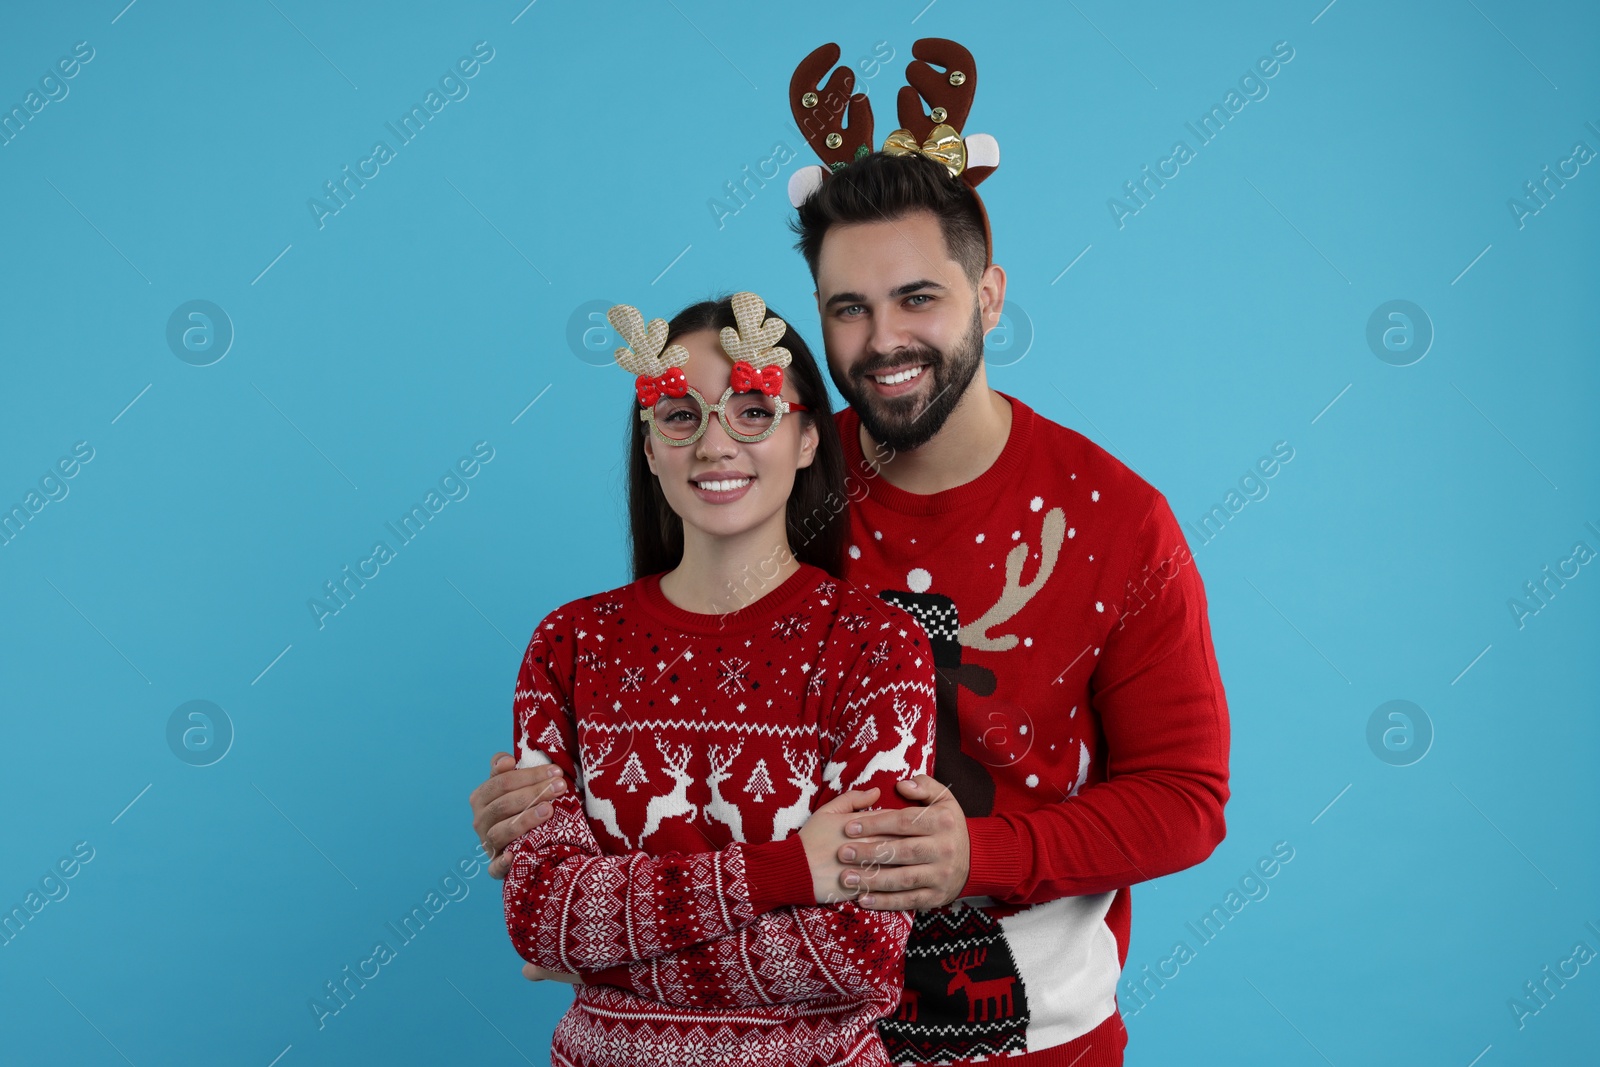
722, 487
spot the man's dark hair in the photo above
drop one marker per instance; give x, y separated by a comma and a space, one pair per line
880, 187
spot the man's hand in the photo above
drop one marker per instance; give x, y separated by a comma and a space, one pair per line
823, 836
510, 803
908, 859
534, 973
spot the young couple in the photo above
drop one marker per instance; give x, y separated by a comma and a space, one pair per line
721, 822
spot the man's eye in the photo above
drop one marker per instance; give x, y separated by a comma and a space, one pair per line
920, 296
849, 309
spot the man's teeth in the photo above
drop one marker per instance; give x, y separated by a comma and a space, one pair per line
898, 377
725, 485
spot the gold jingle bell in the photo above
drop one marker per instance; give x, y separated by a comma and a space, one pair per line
809, 100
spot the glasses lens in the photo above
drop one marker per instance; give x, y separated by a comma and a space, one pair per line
678, 417
751, 413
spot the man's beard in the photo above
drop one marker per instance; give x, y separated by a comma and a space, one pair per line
903, 422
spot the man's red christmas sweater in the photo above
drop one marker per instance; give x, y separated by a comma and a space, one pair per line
673, 880
1082, 726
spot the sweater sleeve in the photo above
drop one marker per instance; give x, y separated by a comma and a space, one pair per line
1161, 708
885, 716
824, 952
571, 908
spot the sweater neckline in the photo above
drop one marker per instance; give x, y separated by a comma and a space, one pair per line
743, 620
1001, 474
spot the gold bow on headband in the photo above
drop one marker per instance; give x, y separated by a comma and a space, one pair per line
944, 145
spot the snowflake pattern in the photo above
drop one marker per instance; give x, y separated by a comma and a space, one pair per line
632, 679
854, 622
879, 654
732, 675
791, 626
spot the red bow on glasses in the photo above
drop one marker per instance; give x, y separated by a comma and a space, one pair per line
746, 379
671, 383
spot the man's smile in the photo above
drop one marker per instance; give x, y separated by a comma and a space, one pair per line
905, 374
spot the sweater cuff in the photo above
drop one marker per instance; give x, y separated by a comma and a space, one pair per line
994, 866
778, 873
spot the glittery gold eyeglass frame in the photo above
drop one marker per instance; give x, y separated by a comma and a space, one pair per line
780, 408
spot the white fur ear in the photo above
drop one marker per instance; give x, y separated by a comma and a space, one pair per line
982, 150
804, 182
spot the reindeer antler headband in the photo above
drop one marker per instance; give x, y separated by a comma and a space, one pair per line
822, 111
758, 359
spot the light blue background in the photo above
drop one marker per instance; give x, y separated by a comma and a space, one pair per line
432, 309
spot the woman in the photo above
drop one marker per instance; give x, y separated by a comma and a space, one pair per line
722, 715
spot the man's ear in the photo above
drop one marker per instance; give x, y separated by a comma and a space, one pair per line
992, 295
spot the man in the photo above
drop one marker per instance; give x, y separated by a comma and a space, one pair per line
1083, 732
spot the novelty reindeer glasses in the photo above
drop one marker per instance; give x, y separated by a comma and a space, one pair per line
750, 408
821, 113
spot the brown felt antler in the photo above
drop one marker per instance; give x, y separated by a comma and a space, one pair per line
948, 92
836, 123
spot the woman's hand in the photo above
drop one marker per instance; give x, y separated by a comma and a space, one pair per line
823, 835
